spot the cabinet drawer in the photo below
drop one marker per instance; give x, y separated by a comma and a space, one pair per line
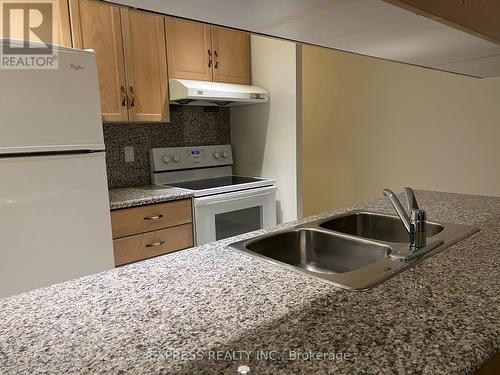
142, 246
148, 218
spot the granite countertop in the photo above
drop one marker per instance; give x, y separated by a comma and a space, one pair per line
142, 195
199, 310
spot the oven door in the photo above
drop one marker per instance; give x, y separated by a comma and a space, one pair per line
229, 214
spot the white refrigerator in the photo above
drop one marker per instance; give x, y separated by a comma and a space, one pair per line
54, 209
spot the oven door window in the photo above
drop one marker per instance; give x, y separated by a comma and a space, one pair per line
232, 223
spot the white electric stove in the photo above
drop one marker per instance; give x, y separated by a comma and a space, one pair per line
224, 205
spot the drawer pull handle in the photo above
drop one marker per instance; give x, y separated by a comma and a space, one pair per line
156, 244
157, 217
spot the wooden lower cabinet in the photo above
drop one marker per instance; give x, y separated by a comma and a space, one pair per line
146, 245
151, 217
147, 231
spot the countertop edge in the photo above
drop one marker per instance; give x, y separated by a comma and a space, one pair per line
130, 197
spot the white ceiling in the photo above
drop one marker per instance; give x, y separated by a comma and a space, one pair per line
368, 27
248, 15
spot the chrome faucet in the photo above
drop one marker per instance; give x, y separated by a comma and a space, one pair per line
415, 222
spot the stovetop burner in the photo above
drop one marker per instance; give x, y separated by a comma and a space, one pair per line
211, 183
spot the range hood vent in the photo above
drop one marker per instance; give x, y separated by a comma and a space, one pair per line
189, 92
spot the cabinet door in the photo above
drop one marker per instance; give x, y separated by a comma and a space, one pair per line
188, 50
146, 65
64, 24
231, 56
97, 26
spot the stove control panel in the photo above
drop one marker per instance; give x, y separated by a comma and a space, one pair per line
176, 158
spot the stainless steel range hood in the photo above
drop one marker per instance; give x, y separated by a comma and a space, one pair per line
189, 92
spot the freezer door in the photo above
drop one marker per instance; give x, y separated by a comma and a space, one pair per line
51, 110
54, 220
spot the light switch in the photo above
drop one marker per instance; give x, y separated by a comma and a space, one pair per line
129, 154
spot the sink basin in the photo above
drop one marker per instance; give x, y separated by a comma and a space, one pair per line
318, 251
356, 250
375, 226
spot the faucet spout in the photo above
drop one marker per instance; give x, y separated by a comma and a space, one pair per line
399, 208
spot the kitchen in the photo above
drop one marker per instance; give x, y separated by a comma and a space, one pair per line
172, 194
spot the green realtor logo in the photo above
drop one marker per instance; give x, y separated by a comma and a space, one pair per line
29, 30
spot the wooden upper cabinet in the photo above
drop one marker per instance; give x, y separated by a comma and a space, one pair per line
97, 26
146, 65
132, 49
189, 50
64, 24
131, 59
202, 52
231, 56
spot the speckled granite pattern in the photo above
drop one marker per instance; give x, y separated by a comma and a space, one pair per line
442, 317
189, 126
142, 195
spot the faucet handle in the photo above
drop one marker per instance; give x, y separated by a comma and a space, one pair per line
418, 215
411, 201
418, 233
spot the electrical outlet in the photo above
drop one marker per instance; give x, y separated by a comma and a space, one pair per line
129, 154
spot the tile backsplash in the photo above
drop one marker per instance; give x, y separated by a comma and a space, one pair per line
189, 126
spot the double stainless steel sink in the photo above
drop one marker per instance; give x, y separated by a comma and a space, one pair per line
351, 250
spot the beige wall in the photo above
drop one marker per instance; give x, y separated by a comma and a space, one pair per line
370, 124
264, 135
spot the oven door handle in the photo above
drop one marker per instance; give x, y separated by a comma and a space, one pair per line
234, 196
